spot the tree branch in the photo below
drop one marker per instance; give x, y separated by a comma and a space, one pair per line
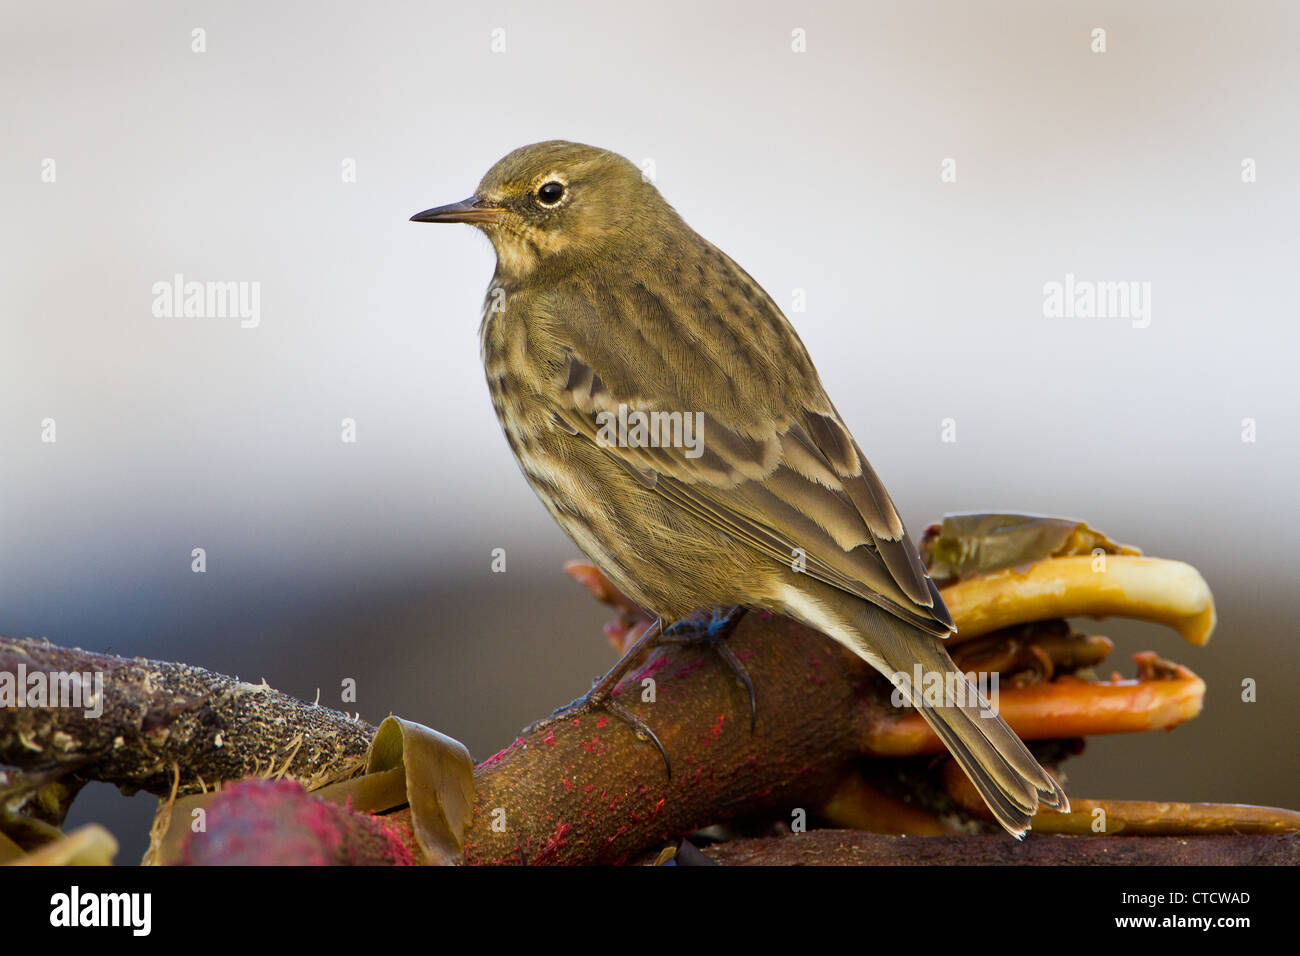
151, 721
586, 789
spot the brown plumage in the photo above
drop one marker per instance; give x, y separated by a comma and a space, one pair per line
603, 297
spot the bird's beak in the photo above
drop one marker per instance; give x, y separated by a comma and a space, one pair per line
472, 209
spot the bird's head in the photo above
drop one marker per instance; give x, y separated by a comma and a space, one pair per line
557, 203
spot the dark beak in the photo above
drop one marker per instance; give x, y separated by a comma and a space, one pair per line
472, 209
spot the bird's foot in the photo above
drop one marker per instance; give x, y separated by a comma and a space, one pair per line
601, 697
593, 703
715, 632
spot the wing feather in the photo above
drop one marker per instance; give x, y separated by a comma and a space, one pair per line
799, 481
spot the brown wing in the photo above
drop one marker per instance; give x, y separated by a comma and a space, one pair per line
783, 479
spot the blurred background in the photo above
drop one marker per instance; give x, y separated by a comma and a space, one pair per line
821, 172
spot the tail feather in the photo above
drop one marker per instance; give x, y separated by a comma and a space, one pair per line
1005, 773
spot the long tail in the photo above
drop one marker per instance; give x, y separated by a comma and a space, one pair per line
1003, 770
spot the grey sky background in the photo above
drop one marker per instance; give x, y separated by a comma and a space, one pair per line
817, 171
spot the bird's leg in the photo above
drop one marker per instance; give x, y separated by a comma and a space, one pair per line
715, 634
601, 695
687, 632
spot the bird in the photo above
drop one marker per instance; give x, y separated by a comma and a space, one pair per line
607, 322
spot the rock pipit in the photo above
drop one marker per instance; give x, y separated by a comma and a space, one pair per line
671, 421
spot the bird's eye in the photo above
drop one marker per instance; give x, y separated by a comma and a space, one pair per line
548, 194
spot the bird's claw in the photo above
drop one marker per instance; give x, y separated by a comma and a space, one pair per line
601, 696
593, 702
715, 634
